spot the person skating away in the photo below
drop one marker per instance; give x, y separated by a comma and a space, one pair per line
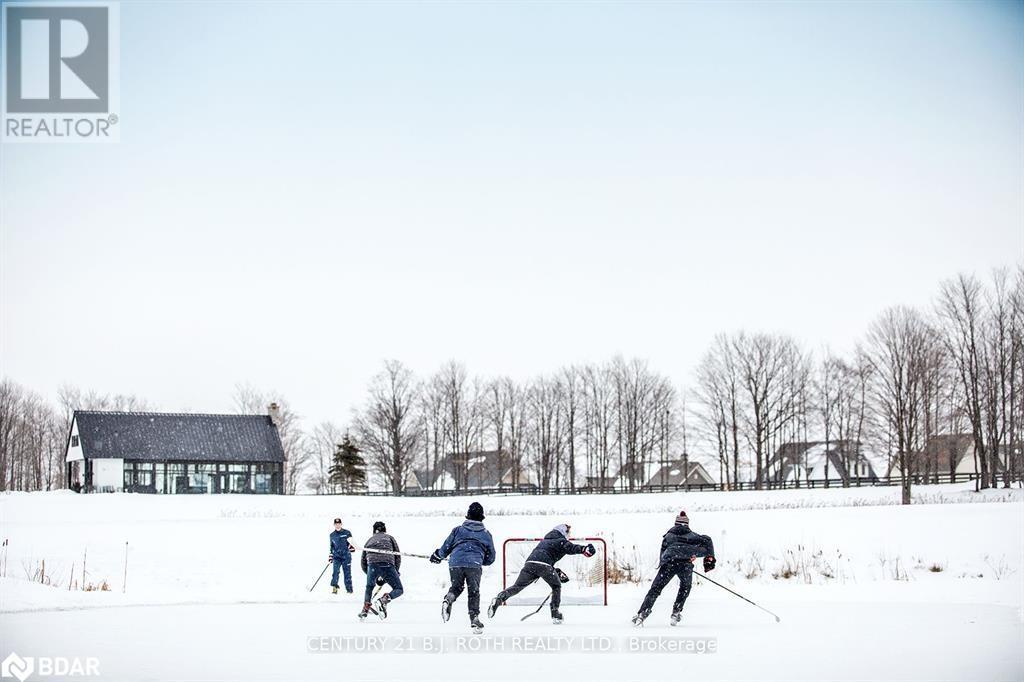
541, 564
679, 551
378, 565
341, 556
469, 547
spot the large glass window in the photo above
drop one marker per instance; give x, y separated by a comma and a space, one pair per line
177, 481
138, 477
266, 478
200, 477
160, 478
238, 479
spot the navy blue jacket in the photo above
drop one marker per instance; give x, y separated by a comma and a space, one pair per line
339, 544
553, 547
469, 546
680, 544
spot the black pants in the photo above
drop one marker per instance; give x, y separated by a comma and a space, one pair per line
684, 571
462, 577
529, 575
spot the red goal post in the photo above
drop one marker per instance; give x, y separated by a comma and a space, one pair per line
594, 577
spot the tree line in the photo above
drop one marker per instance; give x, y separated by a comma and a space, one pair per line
581, 425
955, 367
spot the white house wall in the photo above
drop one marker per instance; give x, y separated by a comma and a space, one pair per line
107, 473
74, 454
967, 465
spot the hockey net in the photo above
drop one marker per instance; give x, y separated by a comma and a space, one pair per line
588, 576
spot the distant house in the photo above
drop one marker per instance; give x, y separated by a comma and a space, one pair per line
161, 453
653, 475
418, 480
483, 469
679, 473
953, 453
631, 476
585, 483
837, 461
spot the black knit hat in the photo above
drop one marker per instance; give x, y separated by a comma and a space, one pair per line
476, 512
379, 527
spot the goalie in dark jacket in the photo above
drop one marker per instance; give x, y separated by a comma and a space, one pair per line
679, 550
541, 565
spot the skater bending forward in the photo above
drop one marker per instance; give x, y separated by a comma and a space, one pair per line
541, 564
469, 547
679, 550
380, 567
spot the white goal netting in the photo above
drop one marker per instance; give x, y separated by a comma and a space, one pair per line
588, 576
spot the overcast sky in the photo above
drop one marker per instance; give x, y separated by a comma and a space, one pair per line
301, 191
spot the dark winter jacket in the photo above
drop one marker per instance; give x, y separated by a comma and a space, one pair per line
553, 547
468, 545
380, 541
339, 544
680, 544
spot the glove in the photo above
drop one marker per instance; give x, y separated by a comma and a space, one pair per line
330, 559
380, 580
435, 558
561, 575
709, 564
351, 549
589, 550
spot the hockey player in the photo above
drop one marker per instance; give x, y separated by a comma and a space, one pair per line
469, 547
541, 564
341, 556
679, 551
380, 565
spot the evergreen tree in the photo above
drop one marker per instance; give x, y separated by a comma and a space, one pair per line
348, 470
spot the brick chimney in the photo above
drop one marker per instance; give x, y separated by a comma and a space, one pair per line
275, 413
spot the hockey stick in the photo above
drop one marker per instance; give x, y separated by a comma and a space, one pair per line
538, 608
320, 576
388, 551
704, 575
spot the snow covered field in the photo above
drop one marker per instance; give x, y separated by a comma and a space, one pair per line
217, 588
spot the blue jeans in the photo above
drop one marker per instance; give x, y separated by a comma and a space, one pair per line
337, 565
390, 575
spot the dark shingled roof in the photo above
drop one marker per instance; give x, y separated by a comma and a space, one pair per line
179, 437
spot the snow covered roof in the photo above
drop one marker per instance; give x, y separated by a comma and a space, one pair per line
672, 474
179, 437
479, 469
816, 460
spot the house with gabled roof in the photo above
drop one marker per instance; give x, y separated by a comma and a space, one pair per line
954, 453
477, 470
838, 461
174, 453
679, 473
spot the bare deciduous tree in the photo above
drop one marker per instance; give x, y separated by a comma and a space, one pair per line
249, 400
387, 428
898, 347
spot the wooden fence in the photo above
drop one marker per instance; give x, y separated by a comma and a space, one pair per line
922, 479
